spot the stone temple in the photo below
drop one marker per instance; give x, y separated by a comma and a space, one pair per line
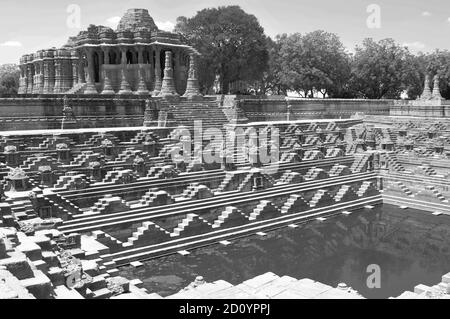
100, 60
90, 184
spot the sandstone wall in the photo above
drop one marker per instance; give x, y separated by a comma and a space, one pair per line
276, 109
46, 112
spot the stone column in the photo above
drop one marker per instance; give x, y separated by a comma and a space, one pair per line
90, 88
46, 67
192, 88
41, 77
123, 52
81, 74
426, 94
124, 85
106, 55
176, 69
23, 76
140, 55
75, 65
58, 75
436, 95
37, 78
30, 77
107, 87
142, 86
51, 73
168, 85
158, 80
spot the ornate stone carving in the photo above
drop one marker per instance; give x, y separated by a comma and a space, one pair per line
168, 86
192, 89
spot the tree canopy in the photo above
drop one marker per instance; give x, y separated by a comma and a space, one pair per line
231, 42
316, 61
9, 79
381, 69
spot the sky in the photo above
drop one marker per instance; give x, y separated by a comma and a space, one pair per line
29, 25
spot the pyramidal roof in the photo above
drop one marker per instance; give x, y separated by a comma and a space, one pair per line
136, 19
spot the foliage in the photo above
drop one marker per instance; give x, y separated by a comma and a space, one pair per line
316, 61
438, 63
9, 79
381, 69
231, 42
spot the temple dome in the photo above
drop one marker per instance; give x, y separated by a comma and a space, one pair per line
136, 19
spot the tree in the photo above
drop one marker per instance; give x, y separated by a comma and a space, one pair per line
438, 63
9, 79
271, 82
231, 42
316, 61
381, 69
414, 76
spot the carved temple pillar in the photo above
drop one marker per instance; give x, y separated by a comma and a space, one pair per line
23, 78
436, 94
81, 73
90, 88
58, 75
168, 85
158, 80
142, 86
37, 77
176, 70
140, 55
30, 77
75, 64
107, 87
124, 85
192, 88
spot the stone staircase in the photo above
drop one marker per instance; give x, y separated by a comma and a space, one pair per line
192, 222
77, 89
320, 198
315, 173
394, 164
264, 210
344, 194
339, 170
367, 189
22, 209
360, 163
109, 204
186, 112
147, 234
230, 217
70, 182
312, 155
294, 204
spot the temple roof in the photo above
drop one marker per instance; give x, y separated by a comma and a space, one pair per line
137, 19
